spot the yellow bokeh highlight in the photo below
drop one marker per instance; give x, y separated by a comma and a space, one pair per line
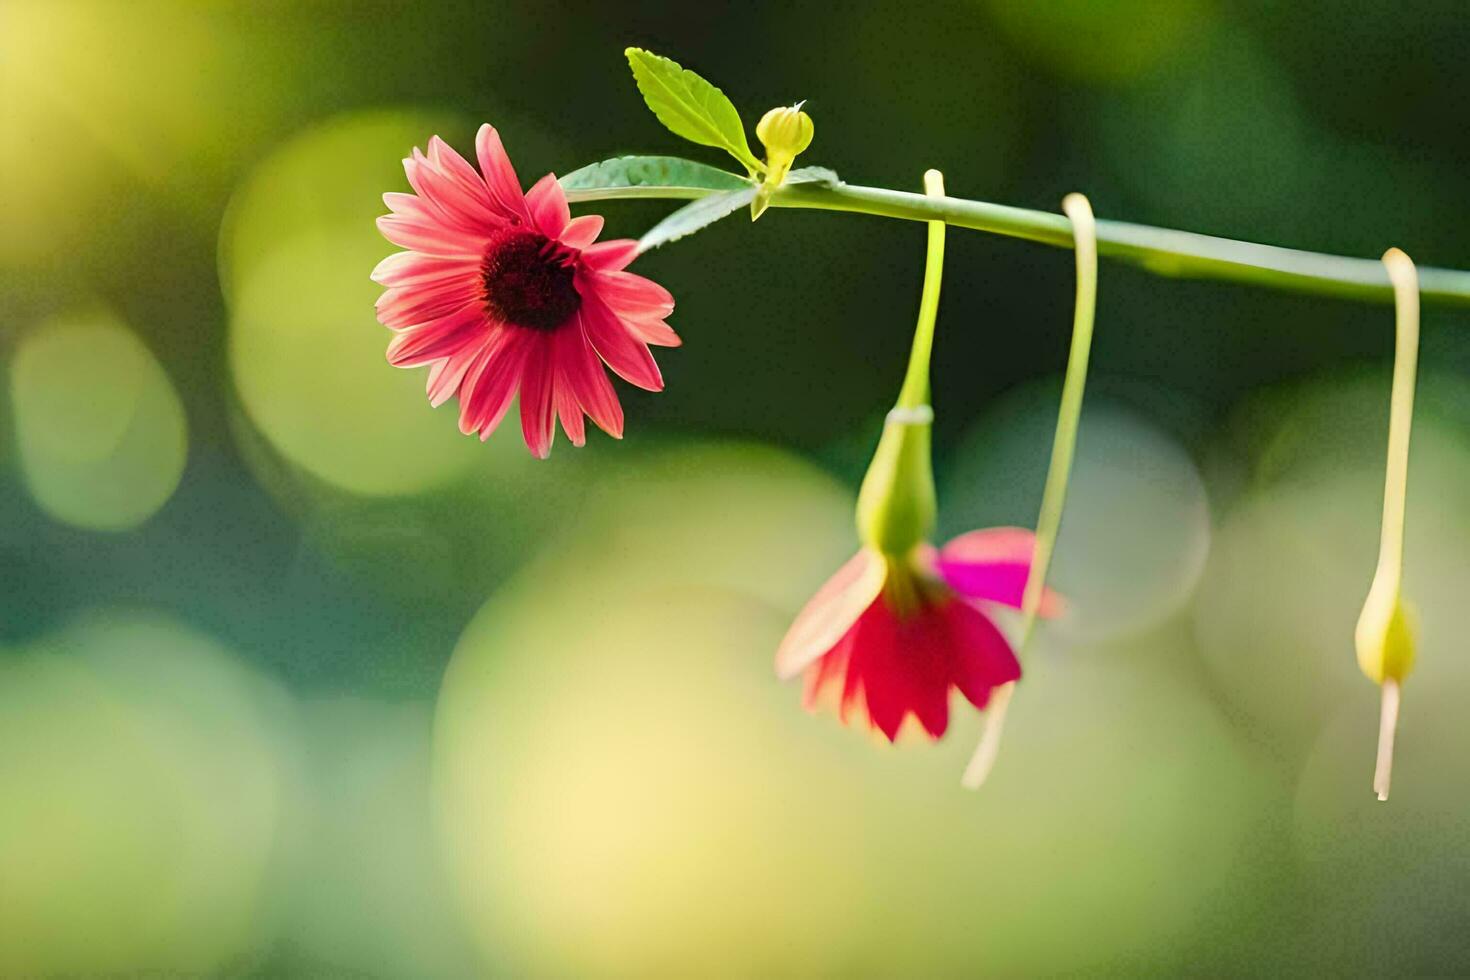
306, 349
100, 432
142, 787
93, 112
624, 788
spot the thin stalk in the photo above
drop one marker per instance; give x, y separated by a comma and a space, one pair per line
1162, 251
915, 390
1377, 650
1058, 474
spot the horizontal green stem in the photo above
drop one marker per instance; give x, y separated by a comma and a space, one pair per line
1160, 250
1163, 251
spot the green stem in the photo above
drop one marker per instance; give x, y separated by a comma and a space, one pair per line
1058, 473
1162, 251
915, 390
1069, 415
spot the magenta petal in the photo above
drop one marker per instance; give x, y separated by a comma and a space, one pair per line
993, 564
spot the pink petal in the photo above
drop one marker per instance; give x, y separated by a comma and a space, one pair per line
500, 176
548, 205
538, 416
610, 256
584, 375
491, 382
439, 338
445, 376
624, 353
452, 203
826, 676
415, 268
633, 297
830, 613
407, 306
654, 332
581, 232
993, 564
430, 237
570, 414
457, 169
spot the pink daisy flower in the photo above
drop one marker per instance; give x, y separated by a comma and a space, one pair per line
504, 292
888, 637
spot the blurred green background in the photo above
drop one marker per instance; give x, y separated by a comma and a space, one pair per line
297, 681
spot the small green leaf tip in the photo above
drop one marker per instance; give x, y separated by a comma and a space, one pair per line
691, 107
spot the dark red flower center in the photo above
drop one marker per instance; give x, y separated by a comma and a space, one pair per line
528, 280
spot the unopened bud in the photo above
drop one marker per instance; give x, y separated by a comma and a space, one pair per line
785, 132
1385, 637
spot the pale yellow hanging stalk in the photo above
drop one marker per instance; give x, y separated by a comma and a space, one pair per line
1385, 633
1059, 471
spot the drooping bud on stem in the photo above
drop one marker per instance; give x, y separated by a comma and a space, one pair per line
1385, 633
785, 132
897, 504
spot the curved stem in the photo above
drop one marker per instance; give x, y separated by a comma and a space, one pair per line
1058, 474
1401, 412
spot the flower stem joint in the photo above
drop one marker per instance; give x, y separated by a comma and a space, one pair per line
785, 132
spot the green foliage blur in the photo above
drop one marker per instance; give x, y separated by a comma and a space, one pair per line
297, 681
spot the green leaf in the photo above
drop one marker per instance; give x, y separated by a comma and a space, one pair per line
623, 177
700, 214
813, 175
690, 106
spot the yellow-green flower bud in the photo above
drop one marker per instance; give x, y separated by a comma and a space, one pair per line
896, 505
1385, 637
785, 132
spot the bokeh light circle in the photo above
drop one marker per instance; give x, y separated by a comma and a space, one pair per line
624, 787
306, 350
100, 431
142, 786
1275, 611
1136, 530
